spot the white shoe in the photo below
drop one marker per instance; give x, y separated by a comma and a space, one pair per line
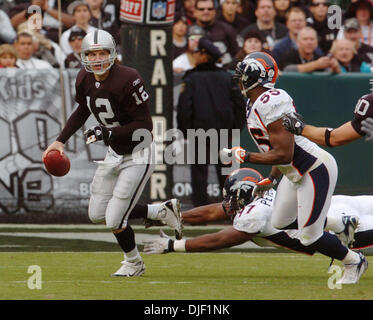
130, 269
353, 272
347, 236
169, 214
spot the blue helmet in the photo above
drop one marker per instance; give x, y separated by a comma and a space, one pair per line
256, 69
238, 189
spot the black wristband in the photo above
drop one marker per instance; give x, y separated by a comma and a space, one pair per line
170, 245
328, 131
247, 157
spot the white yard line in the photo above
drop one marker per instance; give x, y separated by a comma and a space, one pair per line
95, 236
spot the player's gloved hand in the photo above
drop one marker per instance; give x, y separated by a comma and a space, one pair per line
240, 154
163, 244
97, 133
294, 123
263, 186
367, 127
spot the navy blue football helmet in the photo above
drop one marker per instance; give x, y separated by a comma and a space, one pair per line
256, 69
238, 189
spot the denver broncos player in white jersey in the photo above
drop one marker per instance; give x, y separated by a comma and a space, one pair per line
115, 94
310, 173
251, 220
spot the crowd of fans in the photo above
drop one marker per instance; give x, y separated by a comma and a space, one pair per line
297, 33
29, 31
300, 34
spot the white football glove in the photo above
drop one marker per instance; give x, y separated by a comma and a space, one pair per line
367, 127
157, 246
263, 186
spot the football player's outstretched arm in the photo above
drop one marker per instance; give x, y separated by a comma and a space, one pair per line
203, 214
223, 239
74, 123
337, 137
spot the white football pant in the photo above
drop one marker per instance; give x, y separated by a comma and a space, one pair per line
307, 200
117, 186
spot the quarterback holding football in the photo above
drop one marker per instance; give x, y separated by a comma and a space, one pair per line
115, 94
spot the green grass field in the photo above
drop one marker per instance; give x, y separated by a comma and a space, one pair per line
73, 269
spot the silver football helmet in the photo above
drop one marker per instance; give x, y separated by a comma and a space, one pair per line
98, 40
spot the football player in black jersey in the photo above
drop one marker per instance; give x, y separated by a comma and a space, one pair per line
346, 133
116, 96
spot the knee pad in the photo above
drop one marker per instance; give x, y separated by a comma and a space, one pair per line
283, 225
96, 209
307, 239
117, 213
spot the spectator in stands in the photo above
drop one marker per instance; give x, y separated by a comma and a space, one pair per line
179, 35
352, 32
113, 7
7, 32
271, 30
73, 60
19, 14
25, 49
362, 10
305, 59
80, 11
281, 7
188, 9
221, 34
228, 14
8, 56
103, 20
319, 21
44, 48
210, 99
186, 60
253, 42
295, 21
343, 51
246, 8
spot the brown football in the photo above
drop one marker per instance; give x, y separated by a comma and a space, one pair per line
56, 164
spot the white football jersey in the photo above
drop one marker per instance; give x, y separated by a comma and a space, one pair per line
361, 206
256, 216
269, 107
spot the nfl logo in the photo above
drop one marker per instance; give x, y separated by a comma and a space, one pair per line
159, 9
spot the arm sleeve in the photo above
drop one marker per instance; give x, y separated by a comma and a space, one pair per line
74, 123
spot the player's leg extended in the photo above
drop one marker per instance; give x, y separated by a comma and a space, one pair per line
102, 187
130, 184
314, 197
285, 206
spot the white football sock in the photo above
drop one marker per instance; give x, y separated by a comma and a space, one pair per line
351, 258
153, 210
132, 256
334, 224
